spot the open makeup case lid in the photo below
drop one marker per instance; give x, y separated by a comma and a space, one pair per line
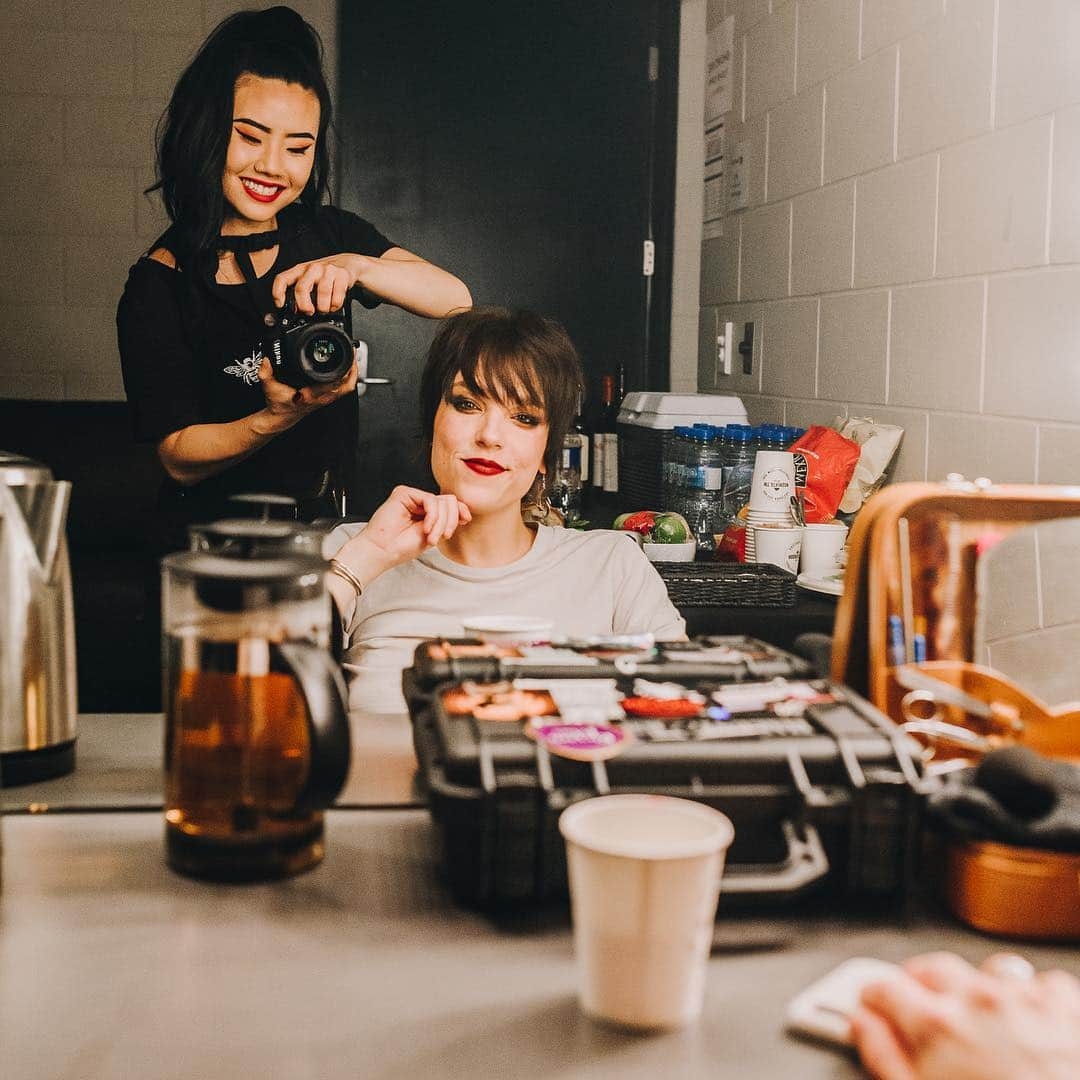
959, 617
914, 559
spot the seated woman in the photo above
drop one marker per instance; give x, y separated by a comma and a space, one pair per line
497, 395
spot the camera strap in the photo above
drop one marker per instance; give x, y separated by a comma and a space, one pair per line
251, 284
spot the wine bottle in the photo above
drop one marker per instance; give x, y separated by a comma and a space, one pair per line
596, 465
580, 428
609, 430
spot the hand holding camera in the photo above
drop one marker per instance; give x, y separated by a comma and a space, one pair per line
313, 347
320, 285
309, 350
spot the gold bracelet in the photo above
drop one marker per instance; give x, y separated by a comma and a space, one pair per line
346, 574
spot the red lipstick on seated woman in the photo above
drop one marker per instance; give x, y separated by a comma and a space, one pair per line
484, 467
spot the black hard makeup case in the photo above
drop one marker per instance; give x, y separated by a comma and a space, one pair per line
825, 804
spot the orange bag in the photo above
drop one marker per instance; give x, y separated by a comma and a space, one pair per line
824, 465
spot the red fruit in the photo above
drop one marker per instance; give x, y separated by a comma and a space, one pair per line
641, 522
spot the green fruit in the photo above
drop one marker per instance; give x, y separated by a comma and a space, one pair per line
618, 522
670, 529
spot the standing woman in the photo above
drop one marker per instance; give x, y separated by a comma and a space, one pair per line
243, 170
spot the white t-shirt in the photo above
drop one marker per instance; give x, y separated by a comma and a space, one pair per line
586, 583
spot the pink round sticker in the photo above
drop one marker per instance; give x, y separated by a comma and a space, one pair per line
584, 742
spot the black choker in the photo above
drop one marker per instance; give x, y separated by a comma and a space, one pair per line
249, 242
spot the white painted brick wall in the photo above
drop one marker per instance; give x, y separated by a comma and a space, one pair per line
81, 88
931, 275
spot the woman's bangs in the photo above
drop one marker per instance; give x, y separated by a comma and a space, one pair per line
503, 377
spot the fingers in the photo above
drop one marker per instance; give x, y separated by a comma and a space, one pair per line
1008, 965
942, 972
323, 393
442, 518
880, 1050
999, 977
911, 1008
1062, 987
439, 515
320, 285
278, 395
284, 280
348, 384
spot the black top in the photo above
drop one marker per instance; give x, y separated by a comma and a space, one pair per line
190, 354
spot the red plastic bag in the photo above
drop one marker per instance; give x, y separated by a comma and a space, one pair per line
824, 465
732, 545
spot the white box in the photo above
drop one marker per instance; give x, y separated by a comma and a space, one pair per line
665, 411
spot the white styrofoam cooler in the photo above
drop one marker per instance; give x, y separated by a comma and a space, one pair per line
662, 411
644, 422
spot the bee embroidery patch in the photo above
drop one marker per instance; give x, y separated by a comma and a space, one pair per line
247, 368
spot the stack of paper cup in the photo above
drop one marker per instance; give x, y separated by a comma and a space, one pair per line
770, 494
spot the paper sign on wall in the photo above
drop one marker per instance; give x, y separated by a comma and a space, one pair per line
738, 180
718, 68
713, 200
714, 197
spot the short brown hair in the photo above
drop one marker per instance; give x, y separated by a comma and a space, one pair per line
514, 357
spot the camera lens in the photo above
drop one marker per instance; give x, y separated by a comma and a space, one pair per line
323, 354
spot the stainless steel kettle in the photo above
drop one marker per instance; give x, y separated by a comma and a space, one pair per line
37, 627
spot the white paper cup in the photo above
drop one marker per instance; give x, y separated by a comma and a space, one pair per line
773, 483
823, 548
644, 883
778, 545
510, 629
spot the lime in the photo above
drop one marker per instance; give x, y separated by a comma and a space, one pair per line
618, 522
670, 529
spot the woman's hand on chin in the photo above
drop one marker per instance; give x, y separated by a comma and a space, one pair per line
405, 526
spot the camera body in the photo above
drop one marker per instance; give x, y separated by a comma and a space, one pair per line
311, 350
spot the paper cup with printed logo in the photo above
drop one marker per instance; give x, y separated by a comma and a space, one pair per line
823, 548
644, 883
779, 545
773, 482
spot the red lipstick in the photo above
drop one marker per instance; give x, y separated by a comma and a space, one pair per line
258, 196
484, 467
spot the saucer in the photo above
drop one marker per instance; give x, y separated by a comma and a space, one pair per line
829, 584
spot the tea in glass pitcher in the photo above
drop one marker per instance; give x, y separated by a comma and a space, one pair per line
257, 737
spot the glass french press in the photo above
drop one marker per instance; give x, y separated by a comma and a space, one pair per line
257, 734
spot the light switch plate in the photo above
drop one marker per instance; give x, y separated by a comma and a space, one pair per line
725, 348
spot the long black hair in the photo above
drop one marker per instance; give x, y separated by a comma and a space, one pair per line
193, 134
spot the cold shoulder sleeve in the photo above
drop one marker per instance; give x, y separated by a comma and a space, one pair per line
159, 370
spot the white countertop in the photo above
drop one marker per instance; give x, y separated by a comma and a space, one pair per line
112, 967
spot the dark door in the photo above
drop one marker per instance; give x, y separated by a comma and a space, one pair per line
524, 147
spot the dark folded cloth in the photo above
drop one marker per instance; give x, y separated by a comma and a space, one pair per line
1014, 796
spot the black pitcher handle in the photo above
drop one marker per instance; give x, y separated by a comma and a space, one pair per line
326, 699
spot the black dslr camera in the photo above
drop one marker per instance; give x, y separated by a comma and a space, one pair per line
311, 349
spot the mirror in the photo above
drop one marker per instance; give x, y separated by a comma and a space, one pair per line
1027, 609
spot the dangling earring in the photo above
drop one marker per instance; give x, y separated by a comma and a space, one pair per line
537, 509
